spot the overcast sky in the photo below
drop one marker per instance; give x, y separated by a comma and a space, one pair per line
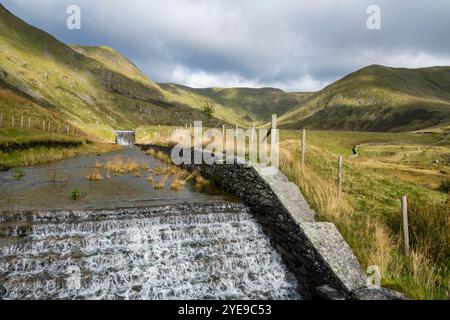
296, 45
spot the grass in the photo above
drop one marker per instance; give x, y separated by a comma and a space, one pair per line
76, 194
236, 105
18, 174
19, 148
368, 215
377, 98
160, 184
445, 186
120, 165
178, 184
94, 175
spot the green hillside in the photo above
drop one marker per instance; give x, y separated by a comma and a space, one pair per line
97, 89
378, 98
116, 62
239, 105
92, 88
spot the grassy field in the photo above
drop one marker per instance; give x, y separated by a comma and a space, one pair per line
368, 215
387, 166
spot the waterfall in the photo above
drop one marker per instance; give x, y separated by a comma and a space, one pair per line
218, 251
125, 138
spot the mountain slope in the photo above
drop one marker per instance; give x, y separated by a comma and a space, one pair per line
88, 87
239, 105
116, 62
378, 98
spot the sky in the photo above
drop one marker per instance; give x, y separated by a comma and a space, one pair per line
295, 45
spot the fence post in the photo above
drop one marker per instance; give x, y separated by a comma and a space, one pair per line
43, 126
13, 121
405, 224
340, 159
21, 122
303, 147
29, 123
253, 132
1, 120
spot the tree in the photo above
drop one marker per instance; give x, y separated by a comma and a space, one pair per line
208, 110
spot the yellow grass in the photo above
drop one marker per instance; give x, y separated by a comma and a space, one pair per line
160, 184
178, 184
94, 175
370, 236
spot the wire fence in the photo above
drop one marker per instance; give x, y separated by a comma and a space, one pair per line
45, 125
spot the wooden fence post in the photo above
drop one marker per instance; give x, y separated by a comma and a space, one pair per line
340, 159
405, 224
303, 147
253, 133
13, 121
29, 123
43, 126
21, 122
1, 120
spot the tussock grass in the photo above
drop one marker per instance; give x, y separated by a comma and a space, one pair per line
119, 165
430, 228
368, 215
178, 184
160, 184
94, 175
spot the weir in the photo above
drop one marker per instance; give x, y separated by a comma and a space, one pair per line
126, 240
125, 138
216, 251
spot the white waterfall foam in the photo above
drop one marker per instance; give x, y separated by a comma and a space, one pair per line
218, 252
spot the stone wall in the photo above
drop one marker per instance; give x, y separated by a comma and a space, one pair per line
315, 252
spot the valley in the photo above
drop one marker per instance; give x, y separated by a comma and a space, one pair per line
60, 106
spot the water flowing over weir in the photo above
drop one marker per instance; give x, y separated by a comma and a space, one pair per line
125, 138
173, 252
168, 245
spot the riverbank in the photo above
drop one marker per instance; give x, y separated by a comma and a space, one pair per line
24, 148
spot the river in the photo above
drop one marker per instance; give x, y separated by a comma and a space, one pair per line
127, 240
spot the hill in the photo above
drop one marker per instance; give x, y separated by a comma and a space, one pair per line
239, 105
378, 98
89, 87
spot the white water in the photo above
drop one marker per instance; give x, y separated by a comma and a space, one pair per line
172, 252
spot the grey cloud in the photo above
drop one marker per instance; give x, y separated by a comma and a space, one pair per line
297, 45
